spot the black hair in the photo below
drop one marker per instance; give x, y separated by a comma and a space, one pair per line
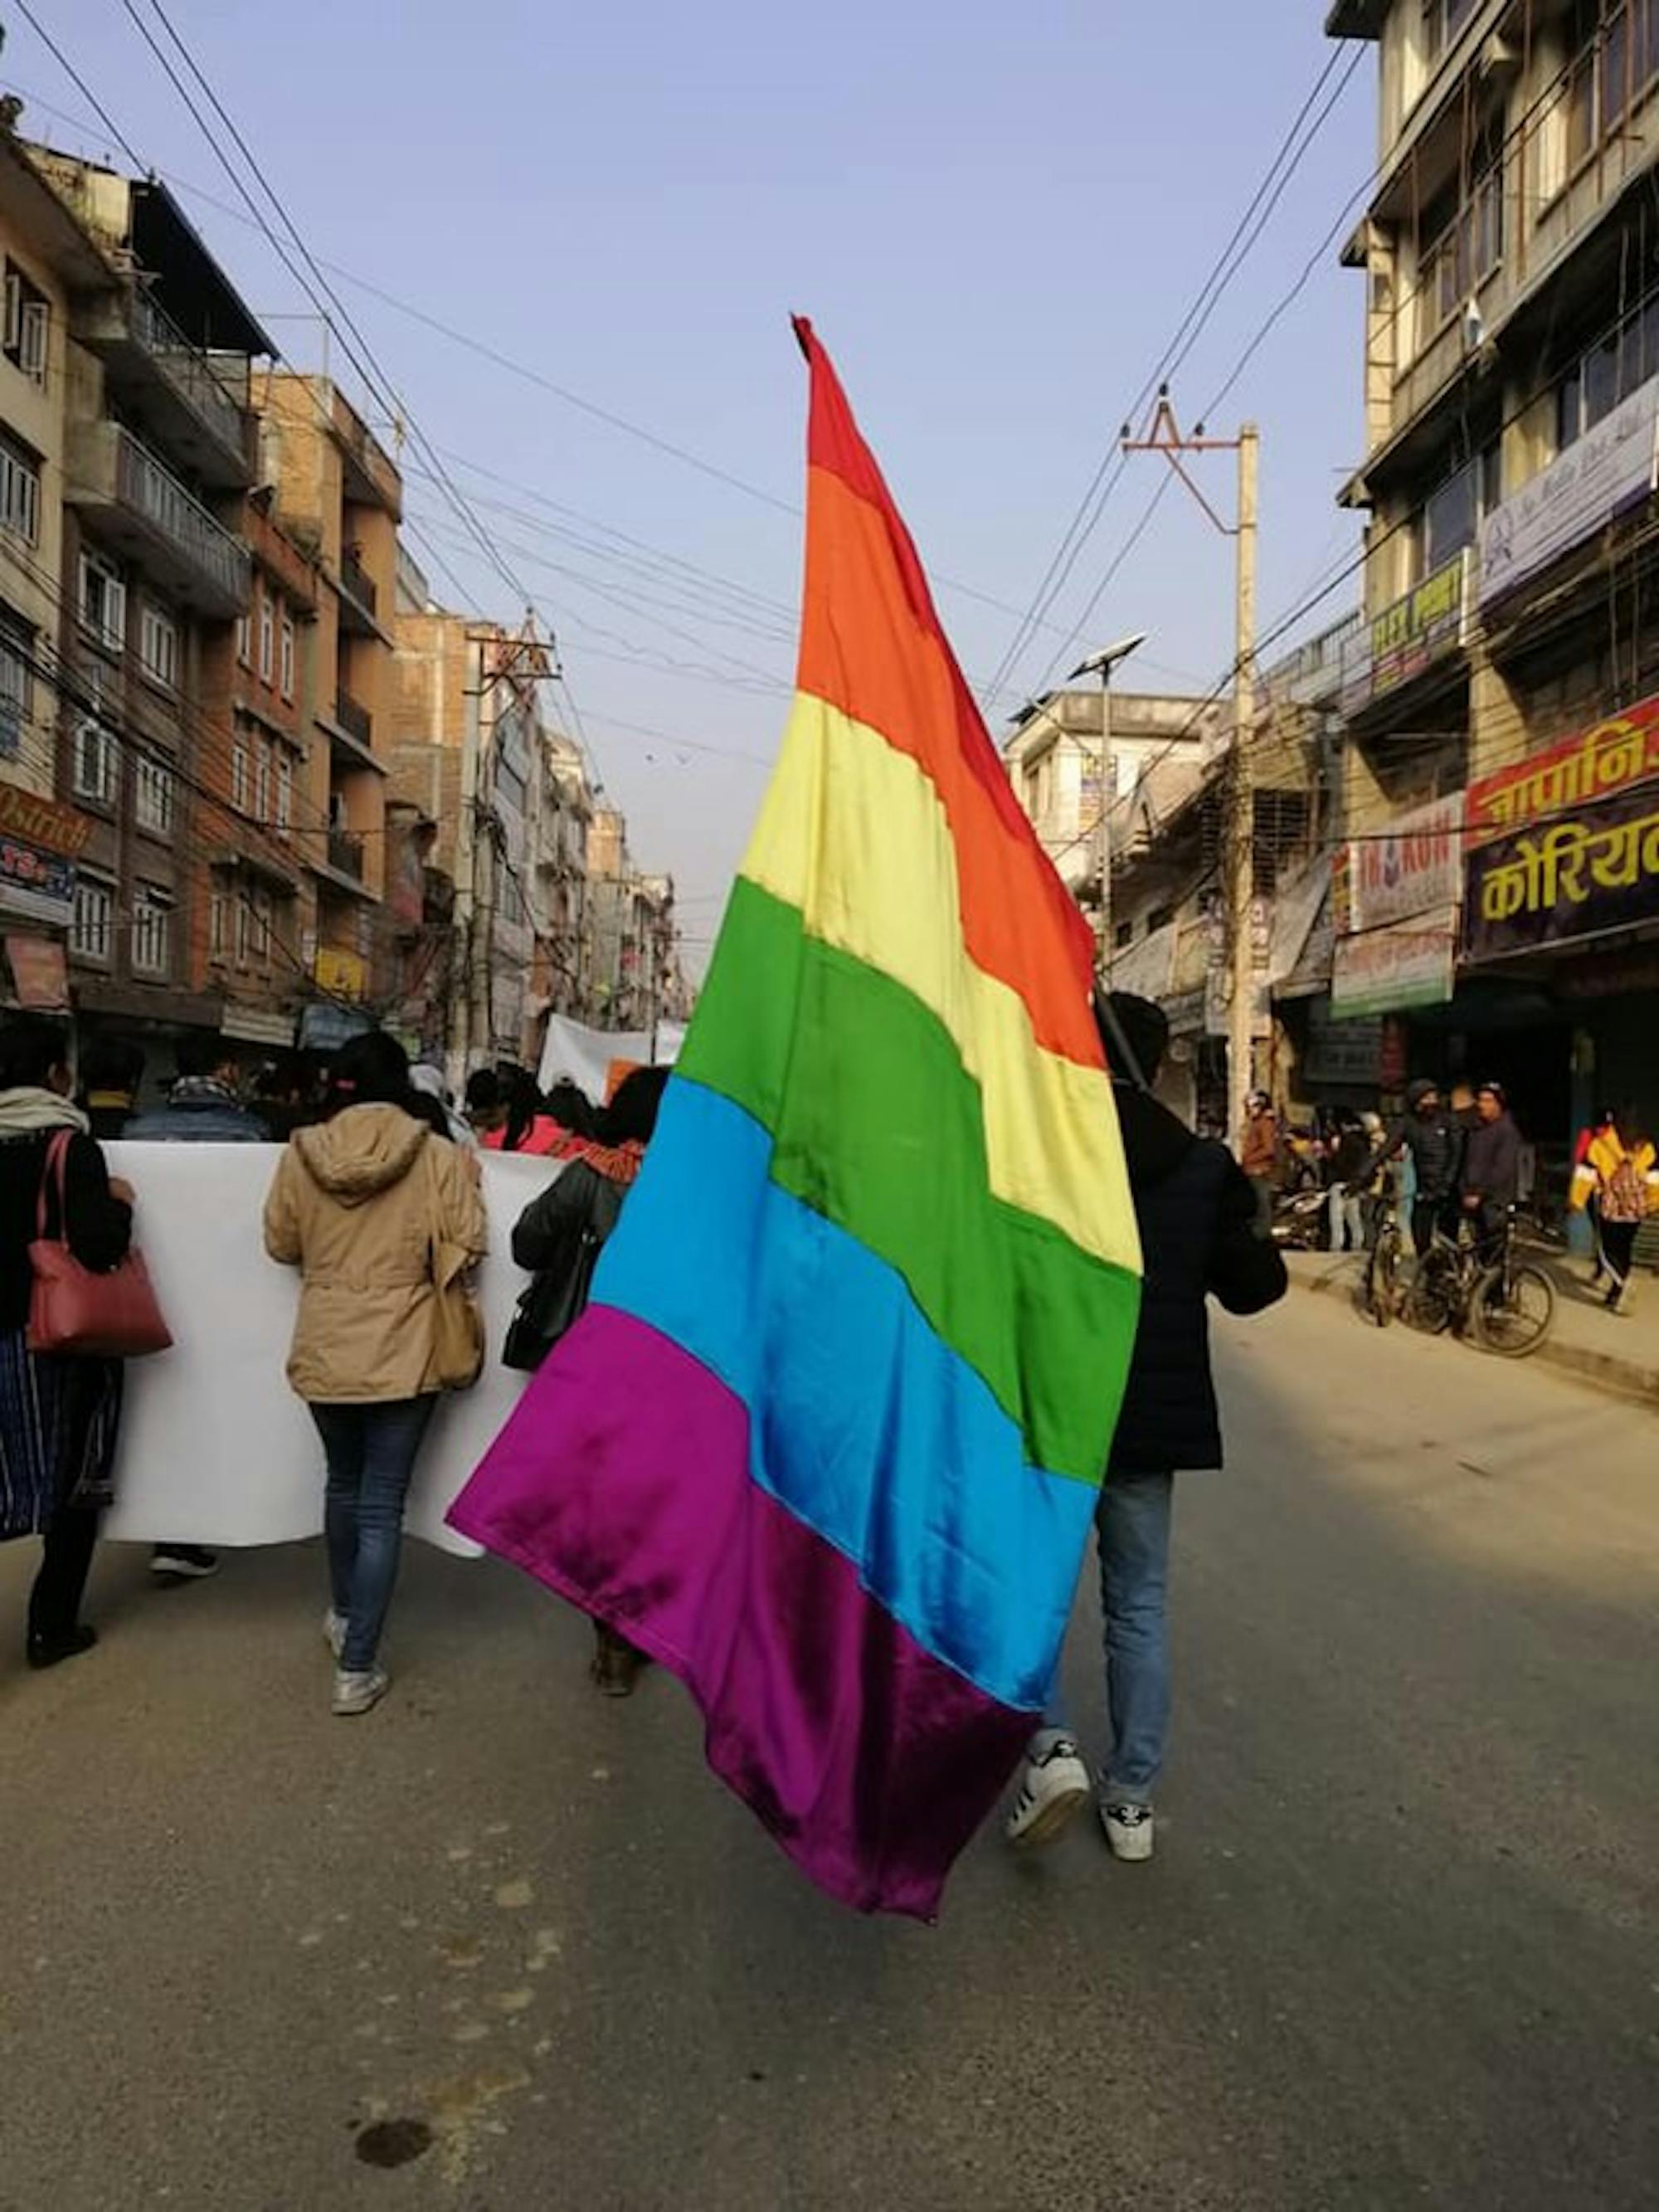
199, 1053
111, 1064
29, 1051
631, 1117
1145, 1028
523, 1101
1626, 1119
370, 1070
568, 1105
484, 1091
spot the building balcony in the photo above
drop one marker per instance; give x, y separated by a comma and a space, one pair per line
345, 854
143, 511
359, 600
193, 403
355, 720
371, 475
350, 731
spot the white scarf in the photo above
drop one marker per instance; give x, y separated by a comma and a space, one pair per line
26, 1109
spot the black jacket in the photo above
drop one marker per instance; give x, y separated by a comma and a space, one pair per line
1491, 1162
1197, 1215
99, 1224
1435, 1142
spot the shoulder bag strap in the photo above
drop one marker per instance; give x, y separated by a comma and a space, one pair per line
54, 1169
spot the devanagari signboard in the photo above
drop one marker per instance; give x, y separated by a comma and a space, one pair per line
1575, 872
1581, 770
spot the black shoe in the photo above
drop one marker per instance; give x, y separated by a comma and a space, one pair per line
45, 1650
186, 1562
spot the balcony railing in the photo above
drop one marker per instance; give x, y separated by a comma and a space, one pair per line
358, 595
155, 521
209, 386
355, 718
345, 854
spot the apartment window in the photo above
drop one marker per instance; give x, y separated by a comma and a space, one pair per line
20, 492
1452, 514
28, 321
158, 646
103, 602
152, 933
1442, 21
1593, 385
285, 792
262, 783
239, 775
267, 638
1617, 45
244, 641
94, 918
1461, 231
17, 684
287, 661
219, 921
97, 764
1123, 934
155, 793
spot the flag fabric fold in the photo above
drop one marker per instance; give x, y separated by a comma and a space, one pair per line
829, 1441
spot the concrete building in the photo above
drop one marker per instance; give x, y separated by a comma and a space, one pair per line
637, 980
336, 495
1053, 757
1502, 768
157, 464
46, 260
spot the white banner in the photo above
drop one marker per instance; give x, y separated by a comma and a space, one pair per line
575, 1053
1597, 477
1413, 867
215, 1447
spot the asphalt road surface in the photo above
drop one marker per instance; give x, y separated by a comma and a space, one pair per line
1397, 1947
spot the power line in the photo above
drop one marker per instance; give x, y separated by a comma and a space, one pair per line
78, 81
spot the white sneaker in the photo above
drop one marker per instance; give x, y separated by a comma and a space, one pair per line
334, 1632
359, 1693
1128, 1829
1052, 1789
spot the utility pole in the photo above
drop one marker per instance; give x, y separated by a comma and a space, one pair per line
466, 874
1101, 664
1165, 436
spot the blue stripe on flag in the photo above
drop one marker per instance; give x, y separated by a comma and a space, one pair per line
862, 1423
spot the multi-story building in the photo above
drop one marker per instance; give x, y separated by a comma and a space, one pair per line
564, 811
1502, 704
338, 496
1053, 756
46, 260
157, 463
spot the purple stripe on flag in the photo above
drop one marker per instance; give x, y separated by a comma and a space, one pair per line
622, 1481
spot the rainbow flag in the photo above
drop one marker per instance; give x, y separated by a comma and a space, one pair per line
829, 1441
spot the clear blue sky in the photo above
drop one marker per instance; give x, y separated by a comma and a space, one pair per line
995, 216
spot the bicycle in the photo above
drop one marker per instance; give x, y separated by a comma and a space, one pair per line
1379, 1295
1500, 1304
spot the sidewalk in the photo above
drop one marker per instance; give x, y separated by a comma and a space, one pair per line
1618, 1355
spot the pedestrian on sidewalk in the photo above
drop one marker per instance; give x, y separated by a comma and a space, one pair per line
202, 1108
1490, 1181
1620, 1178
1429, 1134
361, 1204
1345, 1157
1584, 1194
1199, 1239
1258, 1154
58, 1412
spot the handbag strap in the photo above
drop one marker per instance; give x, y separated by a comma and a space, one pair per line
54, 1169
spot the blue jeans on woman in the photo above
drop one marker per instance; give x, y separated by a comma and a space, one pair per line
370, 1451
1131, 1524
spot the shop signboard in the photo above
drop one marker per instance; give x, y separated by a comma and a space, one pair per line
1601, 474
1564, 880
1421, 626
34, 882
1586, 767
40, 972
1413, 867
42, 822
341, 975
1338, 1051
1384, 970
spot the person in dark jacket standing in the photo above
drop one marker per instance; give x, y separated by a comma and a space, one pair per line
1492, 1163
59, 1414
1431, 1133
202, 1107
1199, 1239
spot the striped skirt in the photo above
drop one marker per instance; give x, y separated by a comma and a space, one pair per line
58, 1418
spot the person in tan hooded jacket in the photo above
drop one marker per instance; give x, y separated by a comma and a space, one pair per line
359, 1204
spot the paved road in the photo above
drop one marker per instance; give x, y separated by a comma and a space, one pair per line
1399, 1948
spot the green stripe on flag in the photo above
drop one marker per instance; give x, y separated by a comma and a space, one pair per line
877, 1124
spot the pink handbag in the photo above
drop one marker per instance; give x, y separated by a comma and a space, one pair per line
73, 1309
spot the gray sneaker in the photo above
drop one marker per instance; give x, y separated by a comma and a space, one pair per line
334, 1632
359, 1693
1129, 1829
1052, 1787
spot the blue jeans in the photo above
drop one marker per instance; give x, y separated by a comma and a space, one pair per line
1348, 1218
370, 1451
1133, 1525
